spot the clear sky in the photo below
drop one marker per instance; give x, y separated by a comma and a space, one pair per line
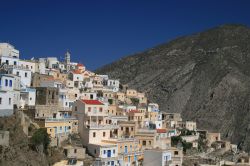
97, 32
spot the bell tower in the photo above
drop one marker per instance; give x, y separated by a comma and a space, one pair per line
67, 60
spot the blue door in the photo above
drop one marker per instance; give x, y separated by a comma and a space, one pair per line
126, 149
112, 163
109, 153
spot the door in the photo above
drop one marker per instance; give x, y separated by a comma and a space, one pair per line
126, 149
109, 153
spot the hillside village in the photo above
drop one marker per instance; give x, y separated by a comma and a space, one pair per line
95, 118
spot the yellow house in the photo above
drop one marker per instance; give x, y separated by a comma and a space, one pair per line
131, 93
128, 150
126, 129
120, 96
137, 117
112, 110
59, 129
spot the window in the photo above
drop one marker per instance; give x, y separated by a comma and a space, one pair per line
175, 152
144, 143
103, 134
89, 109
10, 83
9, 101
26, 74
104, 151
17, 73
6, 82
132, 128
75, 150
0, 100
113, 151
27, 66
94, 134
30, 98
100, 109
7, 62
149, 142
75, 95
75, 108
14, 62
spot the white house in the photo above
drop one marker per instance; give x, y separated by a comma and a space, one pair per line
24, 73
8, 50
9, 94
88, 95
106, 153
113, 84
41, 66
52, 63
27, 97
9, 60
28, 64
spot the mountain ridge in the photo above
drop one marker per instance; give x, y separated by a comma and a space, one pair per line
204, 76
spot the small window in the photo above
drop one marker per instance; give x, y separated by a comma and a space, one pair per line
144, 143
104, 134
26, 74
94, 134
30, 98
9, 101
100, 109
6, 82
89, 109
113, 151
75, 150
121, 128
176, 153
0, 100
10, 83
104, 151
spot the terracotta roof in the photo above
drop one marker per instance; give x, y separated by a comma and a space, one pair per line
79, 64
92, 102
134, 111
161, 130
77, 72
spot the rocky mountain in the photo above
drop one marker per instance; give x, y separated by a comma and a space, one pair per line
204, 76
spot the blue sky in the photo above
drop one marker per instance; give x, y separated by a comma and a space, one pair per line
97, 32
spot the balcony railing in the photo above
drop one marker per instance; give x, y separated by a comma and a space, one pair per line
58, 120
107, 126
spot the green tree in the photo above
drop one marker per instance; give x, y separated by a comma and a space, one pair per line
135, 101
40, 138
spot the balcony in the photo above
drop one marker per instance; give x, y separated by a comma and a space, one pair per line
58, 120
107, 126
134, 153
